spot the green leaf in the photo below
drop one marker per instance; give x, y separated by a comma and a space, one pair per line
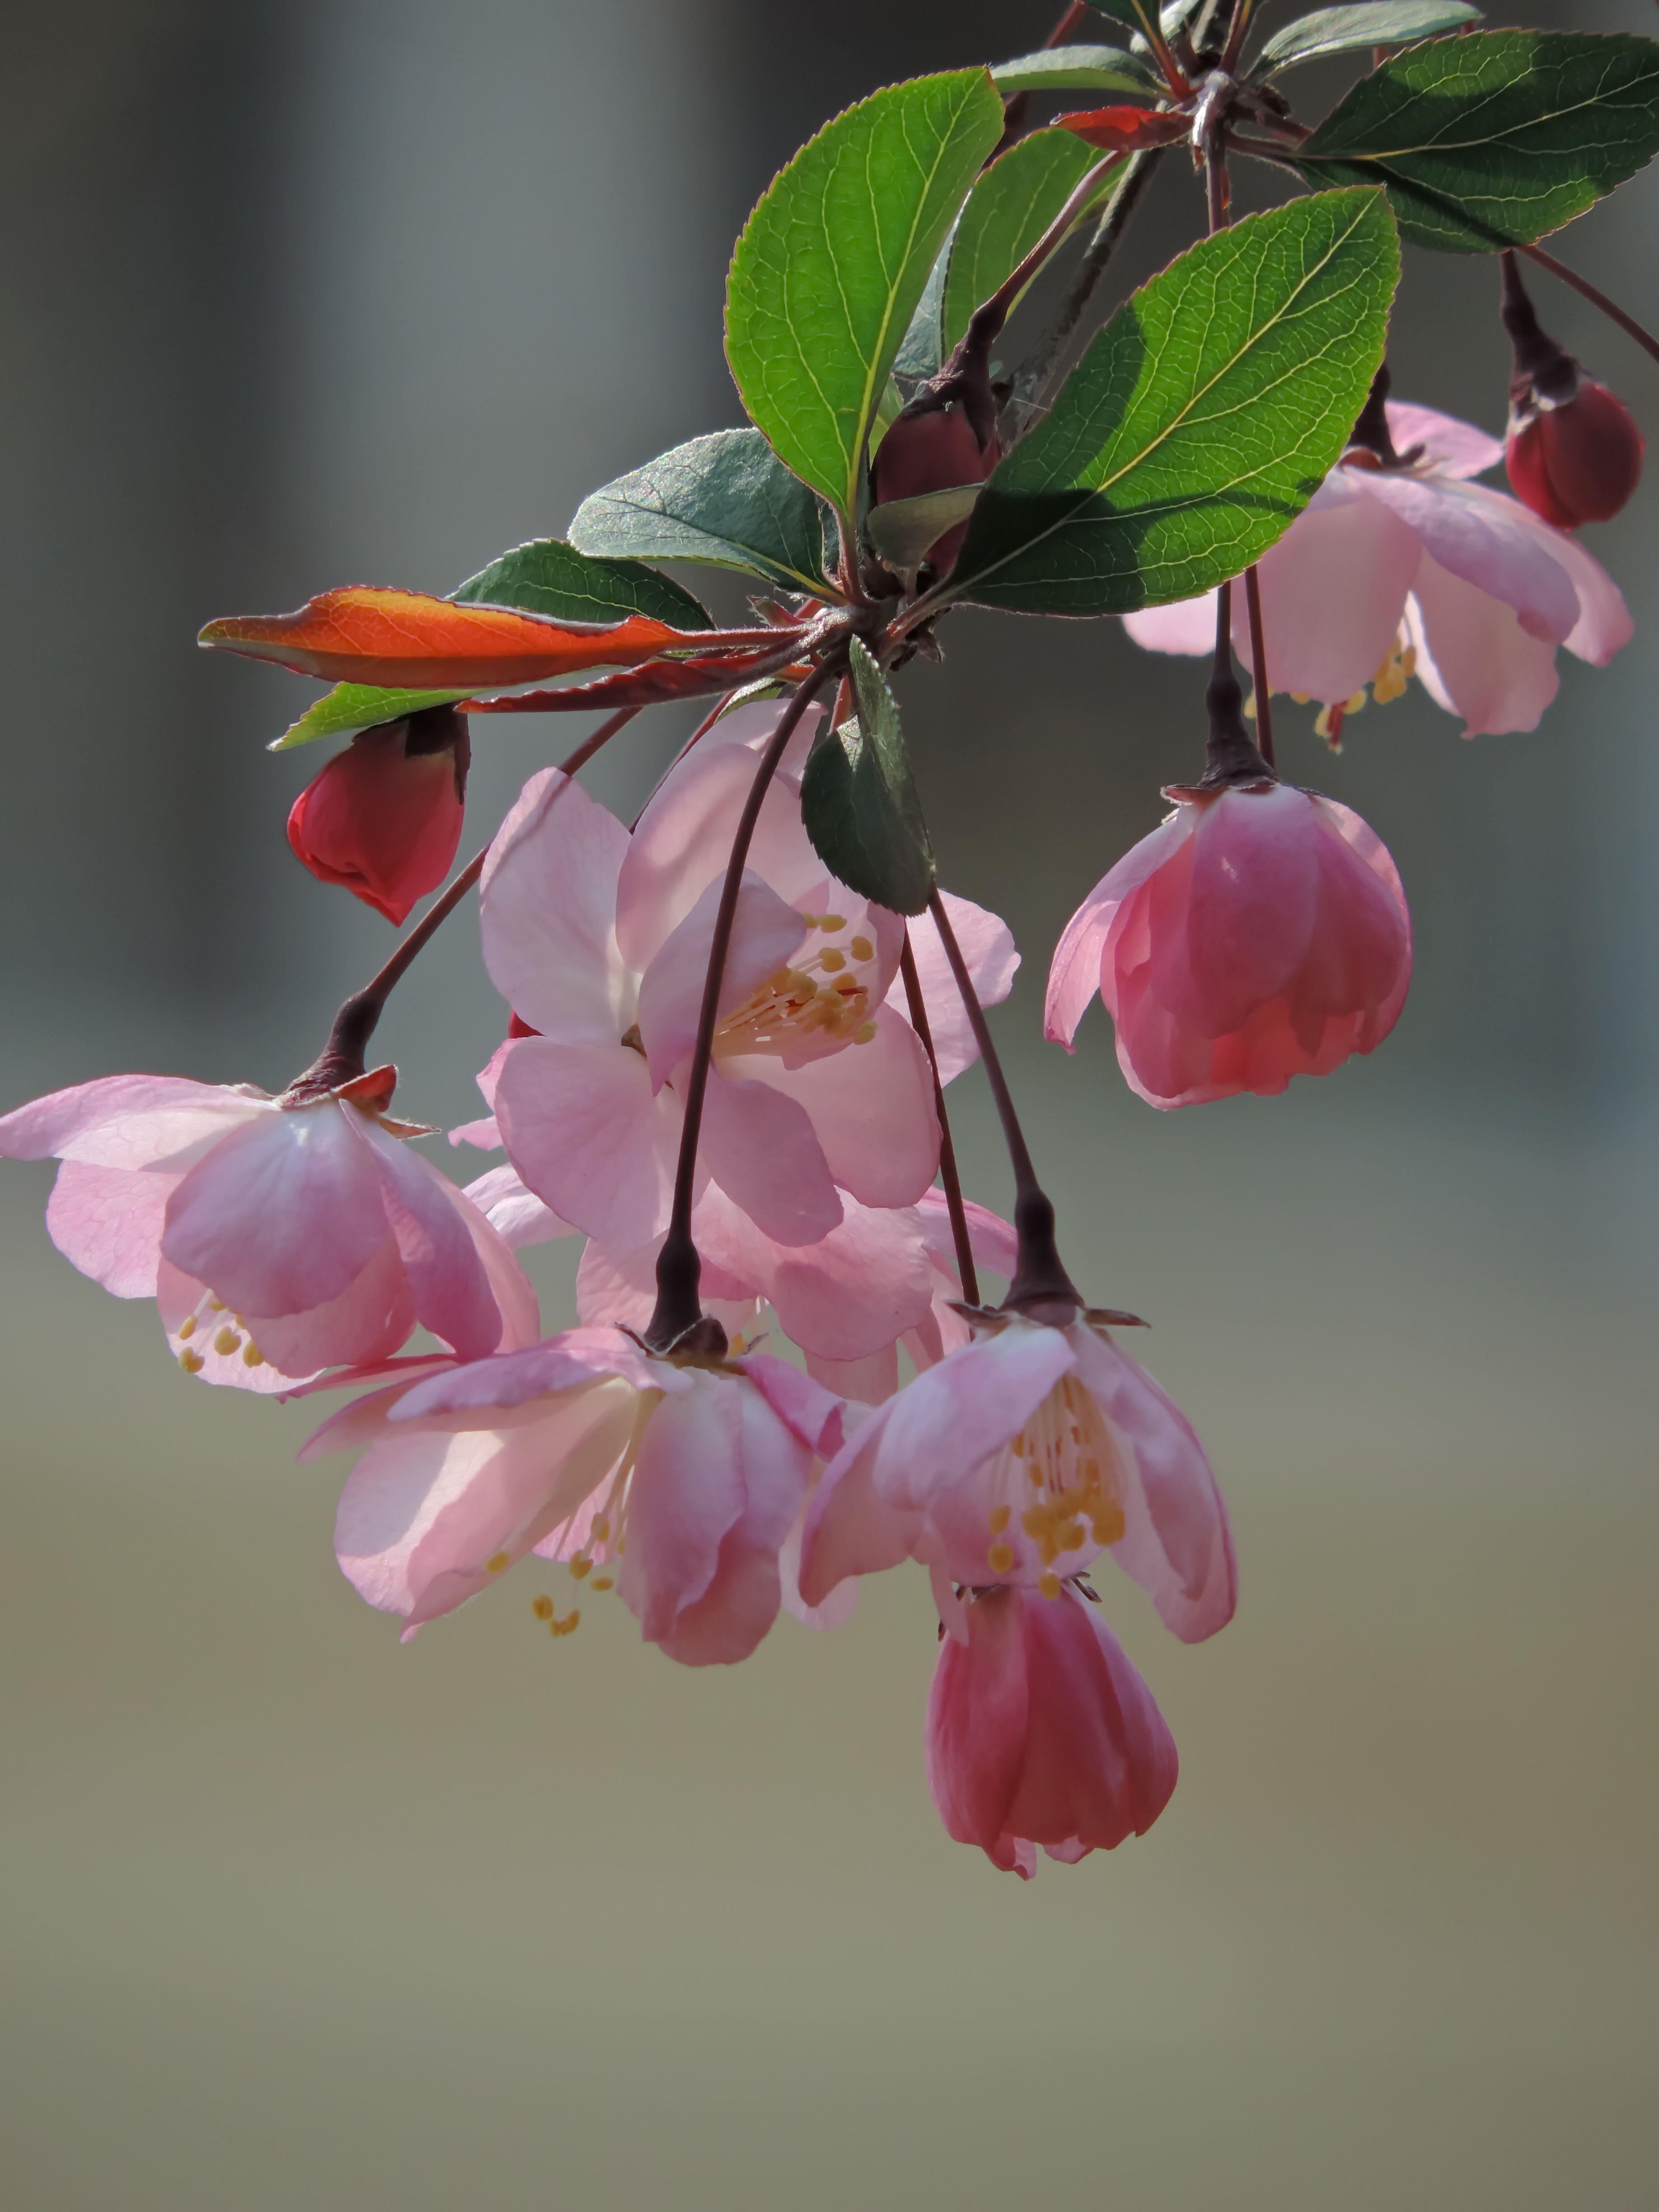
1198, 423
350, 708
548, 577
859, 802
1007, 211
902, 530
1377, 23
1496, 138
889, 407
1137, 16
922, 353
832, 263
1077, 69
724, 500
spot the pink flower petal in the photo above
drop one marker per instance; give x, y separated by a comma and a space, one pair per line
850, 1528
804, 1406
765, 934
1333, 592
761, 1148
987, 947
589, 1136
951, 1418
548, 896
1604, 624
1474, 658
128, 1121
369, 1321
441, 1249
107, 1222
1490, 541
1076, 973
1457, 449
574, 1359
282, 1213
517, 1215
1185, 626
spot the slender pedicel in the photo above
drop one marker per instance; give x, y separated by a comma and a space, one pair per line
947, 1150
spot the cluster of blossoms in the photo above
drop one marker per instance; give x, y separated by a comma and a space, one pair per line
731, 1029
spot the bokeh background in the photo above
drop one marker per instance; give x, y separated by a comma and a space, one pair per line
300, 292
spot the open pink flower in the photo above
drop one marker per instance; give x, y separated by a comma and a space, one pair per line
278, 1239
1019, 1458
599, 941
676, 1482
1260, 933
1392, 570
1040, 1731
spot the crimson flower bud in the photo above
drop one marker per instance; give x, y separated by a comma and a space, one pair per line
384, 817
933, 449
1577, 460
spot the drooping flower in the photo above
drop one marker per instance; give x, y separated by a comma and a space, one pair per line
675, 1482
1040, 1732
1405, 566
384, 817
599, 941
278, 1237
1019, 1458
1260, 931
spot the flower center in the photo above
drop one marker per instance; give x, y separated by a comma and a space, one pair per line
825, 1000
1060, 1479
213, 1328
595, 1536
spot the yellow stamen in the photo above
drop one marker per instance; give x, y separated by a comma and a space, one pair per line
861, 949
864, 1033
251, 1355
191, 1362
831, 960
1049, 1585
567, 1626
186, 1327
499, 1563
1000, 1518
542, 1606
1000, 1558
226, 1340
832, 921
604, 1583
582, 1565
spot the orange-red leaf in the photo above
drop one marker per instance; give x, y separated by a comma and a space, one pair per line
364, 635
1125, 129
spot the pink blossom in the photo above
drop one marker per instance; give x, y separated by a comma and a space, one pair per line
820, 1091
276, 1238
675, 1482
1394, 570
384, 817
1019, 1458
1040, 1731
1260, 933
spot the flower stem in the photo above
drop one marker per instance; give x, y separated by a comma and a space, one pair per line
1264, 712
947, 1150
1040, 1279
678, 1310
1016, 109
1628, 324
342, 1059
1036, 373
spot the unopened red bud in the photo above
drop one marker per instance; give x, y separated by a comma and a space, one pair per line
1577, 460
384, 817
933, 450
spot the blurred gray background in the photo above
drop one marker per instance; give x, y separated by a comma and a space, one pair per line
302, 295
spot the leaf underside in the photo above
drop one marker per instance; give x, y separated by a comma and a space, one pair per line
831, 264
1077, 69
1372, 23
858, 801
1007, 211
1198, 423
1496, 138
724, 500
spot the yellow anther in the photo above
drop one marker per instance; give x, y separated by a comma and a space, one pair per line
226, 1340
499, 1563
186, 1327
601, 1529
191, 1362
830, 960
737, 1346
1018, 1446
604, 1583
1000, 1558
1302, 697
251, 1355
582, 1565
809, 921
861, 949
832, 921
1250, 707
542, 1606
864, 1033
1392, 678
999, 1516
567, 1626
1049, 1585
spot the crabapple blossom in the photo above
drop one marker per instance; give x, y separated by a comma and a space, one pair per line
1019, 1458
1405, 566
384, 817
1259, 932
675, 1482
820, 1088
1040, 1732
277, 1236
